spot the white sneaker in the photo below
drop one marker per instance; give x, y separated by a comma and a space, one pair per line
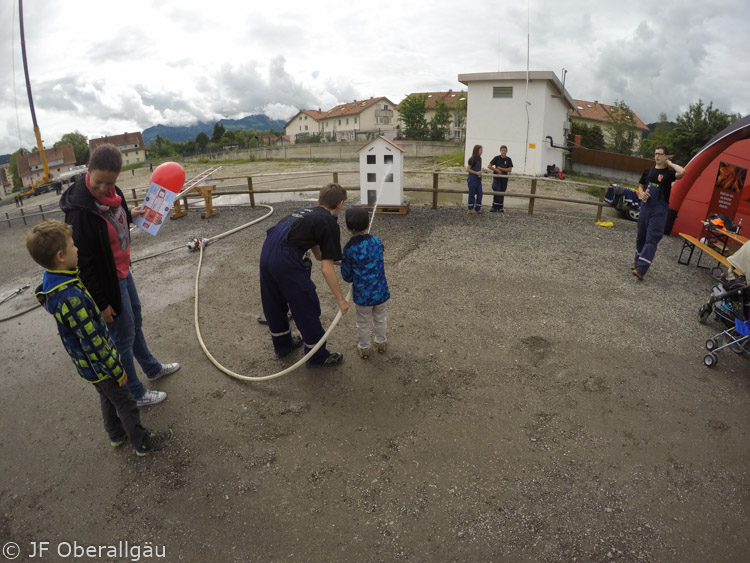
166, 369
151, 398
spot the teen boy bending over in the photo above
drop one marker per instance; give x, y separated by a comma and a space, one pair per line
285, 283
85, 337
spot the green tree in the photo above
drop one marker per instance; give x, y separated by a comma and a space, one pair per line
218, 133
623, 128
201, 140
695, 127
412, 112
162, 148
592, 136
460, 112
13, 170
660, 135
440, 124
80, 145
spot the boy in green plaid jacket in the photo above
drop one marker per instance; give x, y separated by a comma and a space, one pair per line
85, 337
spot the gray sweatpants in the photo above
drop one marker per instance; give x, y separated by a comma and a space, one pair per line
371, 319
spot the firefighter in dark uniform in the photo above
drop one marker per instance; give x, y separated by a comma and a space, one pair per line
285, 284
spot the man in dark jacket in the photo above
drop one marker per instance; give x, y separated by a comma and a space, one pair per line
99, 215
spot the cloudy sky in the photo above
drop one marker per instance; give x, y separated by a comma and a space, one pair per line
102, 68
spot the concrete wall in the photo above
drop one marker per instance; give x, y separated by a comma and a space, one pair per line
334, 151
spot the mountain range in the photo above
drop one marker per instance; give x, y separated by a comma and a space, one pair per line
186, 133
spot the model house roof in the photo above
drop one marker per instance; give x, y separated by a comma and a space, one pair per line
450, 98
595, 111
394, 145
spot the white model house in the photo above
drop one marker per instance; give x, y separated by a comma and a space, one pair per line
381, 173
526, 111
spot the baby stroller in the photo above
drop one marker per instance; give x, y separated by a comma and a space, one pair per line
730, 304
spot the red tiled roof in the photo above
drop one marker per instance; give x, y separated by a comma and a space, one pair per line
65, 153
353, 108
450, 98
119, 140
599, 112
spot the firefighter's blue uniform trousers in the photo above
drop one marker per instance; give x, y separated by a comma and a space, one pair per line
651, 222
285, 285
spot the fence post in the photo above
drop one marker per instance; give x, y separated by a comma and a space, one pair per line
435, 190
135, 198
532, 198
7, 218
599, 207
23, 216
335, 177
250, 189
41, 210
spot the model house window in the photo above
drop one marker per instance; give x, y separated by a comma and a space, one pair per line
388, 159
371, 159
502, 92
389, 177
371, 177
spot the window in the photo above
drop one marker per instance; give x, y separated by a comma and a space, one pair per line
339, 122
371, 177
385, 106
305, 127
502, 92
371, 159
389, 177
388, 159
347, 121
355, 120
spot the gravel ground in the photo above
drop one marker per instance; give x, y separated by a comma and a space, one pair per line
537, 403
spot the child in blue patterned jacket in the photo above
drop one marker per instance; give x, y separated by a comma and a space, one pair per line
362, 265
85, 336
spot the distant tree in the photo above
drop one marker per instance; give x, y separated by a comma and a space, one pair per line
411, 111
80, 145
660, 135
460, 112
162, 148
695, 127
440, 124
592, 136
201, 140
623, 128
13, 170
218, 133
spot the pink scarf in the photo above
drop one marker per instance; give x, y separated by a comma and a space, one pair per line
106, 203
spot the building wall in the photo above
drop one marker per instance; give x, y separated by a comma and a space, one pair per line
492, 122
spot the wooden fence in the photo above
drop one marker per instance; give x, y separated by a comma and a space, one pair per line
253, 186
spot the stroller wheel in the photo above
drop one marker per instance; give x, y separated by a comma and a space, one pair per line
711, 344
704, 312
737, 348
709, 360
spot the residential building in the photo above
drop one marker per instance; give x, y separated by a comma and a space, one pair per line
453, 100
131, 146
31, 168
594, 113
357, 120
526, 111
6, 182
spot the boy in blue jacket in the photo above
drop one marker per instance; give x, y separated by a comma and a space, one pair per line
362, 265
85, 337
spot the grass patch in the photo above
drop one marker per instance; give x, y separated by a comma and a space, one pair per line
455, 159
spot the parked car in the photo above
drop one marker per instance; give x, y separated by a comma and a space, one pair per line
625, 200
